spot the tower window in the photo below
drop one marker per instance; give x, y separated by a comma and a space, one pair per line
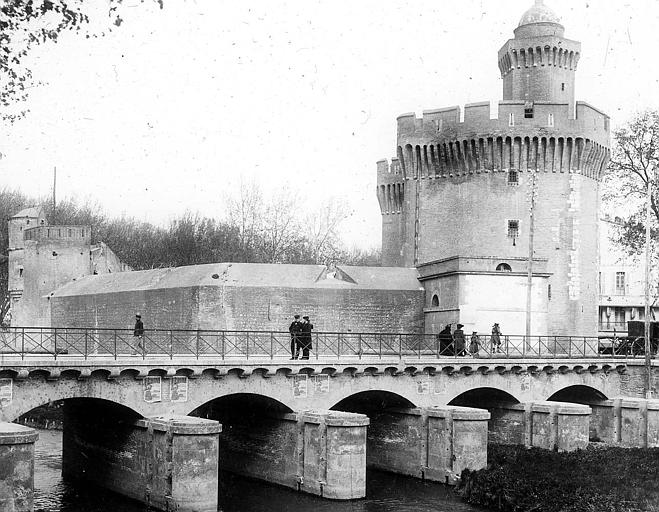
562, 86
528, 110
512, 177
435, 301
513, 228
504, 267
550, 120
511, 119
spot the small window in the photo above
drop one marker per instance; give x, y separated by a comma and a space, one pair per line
435, 301
69, 233
512, 177
528, 113
548, 292
42, 222
511, 119
504, 267
563, 86
606, 123
20, 271
550, 120
513, 228
28, 222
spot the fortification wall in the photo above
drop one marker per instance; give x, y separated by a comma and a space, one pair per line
48, 265
245, 308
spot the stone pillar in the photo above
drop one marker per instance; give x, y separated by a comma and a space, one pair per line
318, 452
434, 443
168, 463
558, 426
629, 421
16, 467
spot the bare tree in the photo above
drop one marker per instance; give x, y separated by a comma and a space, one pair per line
634, 161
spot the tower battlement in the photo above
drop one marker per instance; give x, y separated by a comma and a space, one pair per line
541, 116
77, 234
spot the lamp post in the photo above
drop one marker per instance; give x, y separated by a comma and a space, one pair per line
529, 275
648, 344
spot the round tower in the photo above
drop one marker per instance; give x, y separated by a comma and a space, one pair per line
466, 200
539, 63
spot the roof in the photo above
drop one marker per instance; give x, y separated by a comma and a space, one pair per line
539, 13
266, 275
34, 213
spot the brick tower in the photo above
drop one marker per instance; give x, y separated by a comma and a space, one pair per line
466, 199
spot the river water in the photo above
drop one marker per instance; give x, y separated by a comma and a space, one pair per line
385, 492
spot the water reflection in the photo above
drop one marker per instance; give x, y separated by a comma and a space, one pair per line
385, 492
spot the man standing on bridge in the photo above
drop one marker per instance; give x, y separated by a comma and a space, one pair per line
295, 329
138, 334
305, 337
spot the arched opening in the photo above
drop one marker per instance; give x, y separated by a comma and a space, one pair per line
578, 395
435, 301
258, 440
601, 419
504, 267
504, 425
483, 398
372, 403
72, 434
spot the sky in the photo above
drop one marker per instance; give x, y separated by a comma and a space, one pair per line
172, 110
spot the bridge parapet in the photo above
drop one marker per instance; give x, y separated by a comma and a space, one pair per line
92, 343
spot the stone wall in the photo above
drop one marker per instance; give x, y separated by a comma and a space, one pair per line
434, 443
244, 308
167, 463
318, 452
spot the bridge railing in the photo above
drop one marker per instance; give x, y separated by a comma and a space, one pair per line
25, 342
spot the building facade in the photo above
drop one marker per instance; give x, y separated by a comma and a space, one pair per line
621, 282
470, 193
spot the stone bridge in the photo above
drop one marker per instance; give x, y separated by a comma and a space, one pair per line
314, 425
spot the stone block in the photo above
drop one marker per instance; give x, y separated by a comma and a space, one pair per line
317, 452
16, 467
434, 443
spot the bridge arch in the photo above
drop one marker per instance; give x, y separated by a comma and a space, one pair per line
372, 401
31, 401
240, 407
578, 394
483, 398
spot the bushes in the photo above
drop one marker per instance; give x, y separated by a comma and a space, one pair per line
600, 479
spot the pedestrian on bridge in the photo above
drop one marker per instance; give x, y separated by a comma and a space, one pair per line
296, 330
138, 334
474, 344
459, 341
495, 339
305, 337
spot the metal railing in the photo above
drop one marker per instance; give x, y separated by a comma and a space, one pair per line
26, 342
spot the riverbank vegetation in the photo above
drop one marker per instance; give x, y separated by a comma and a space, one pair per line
602, 479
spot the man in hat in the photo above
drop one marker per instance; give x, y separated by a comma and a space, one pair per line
459, 342
295, 329
305, 337
138, 333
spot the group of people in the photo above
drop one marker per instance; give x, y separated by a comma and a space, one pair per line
455, 343
300, 337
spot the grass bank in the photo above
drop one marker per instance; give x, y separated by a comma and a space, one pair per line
601, 478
